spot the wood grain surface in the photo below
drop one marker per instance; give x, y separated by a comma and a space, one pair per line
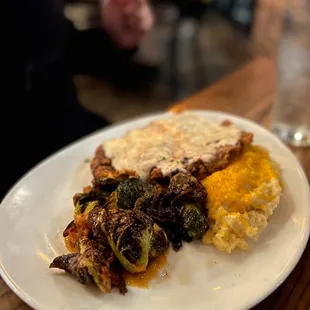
247, 92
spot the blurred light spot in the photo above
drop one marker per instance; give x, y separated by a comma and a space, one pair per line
298, 136
44, 257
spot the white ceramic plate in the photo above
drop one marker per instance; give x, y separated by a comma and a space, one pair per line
36, 210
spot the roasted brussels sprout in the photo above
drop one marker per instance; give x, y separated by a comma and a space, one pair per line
91, 264
156, 204
159, 241
153, 202
194, 222
184, 188
122, 223
176, 210
188, 196
151, 199
129, 191
129, 234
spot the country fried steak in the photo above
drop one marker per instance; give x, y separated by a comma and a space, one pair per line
102, 165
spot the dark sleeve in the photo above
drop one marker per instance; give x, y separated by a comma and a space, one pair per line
42, 108
93, 52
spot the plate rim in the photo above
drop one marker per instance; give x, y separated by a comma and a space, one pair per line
296, 257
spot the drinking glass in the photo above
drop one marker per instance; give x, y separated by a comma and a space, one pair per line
291, 110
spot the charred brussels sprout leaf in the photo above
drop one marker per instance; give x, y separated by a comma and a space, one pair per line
108, 185
81, 200
73, 264
71, 237
159, 242
97, 260
129, 234
194, 221
70, 227
91, 264
84, 209
94, 223
81, 215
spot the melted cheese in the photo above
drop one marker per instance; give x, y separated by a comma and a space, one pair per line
170, 144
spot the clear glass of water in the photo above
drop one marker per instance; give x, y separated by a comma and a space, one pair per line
291, 110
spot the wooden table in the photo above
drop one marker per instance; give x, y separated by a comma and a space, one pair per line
248, 92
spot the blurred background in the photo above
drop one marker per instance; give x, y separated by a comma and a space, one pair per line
193, 44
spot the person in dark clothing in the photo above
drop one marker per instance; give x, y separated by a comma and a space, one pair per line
41, 113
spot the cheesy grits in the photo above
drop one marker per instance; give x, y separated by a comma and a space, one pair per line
241, 198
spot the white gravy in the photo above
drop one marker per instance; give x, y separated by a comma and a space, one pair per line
170, 144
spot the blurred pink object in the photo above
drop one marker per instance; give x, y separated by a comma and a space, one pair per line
126, 21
